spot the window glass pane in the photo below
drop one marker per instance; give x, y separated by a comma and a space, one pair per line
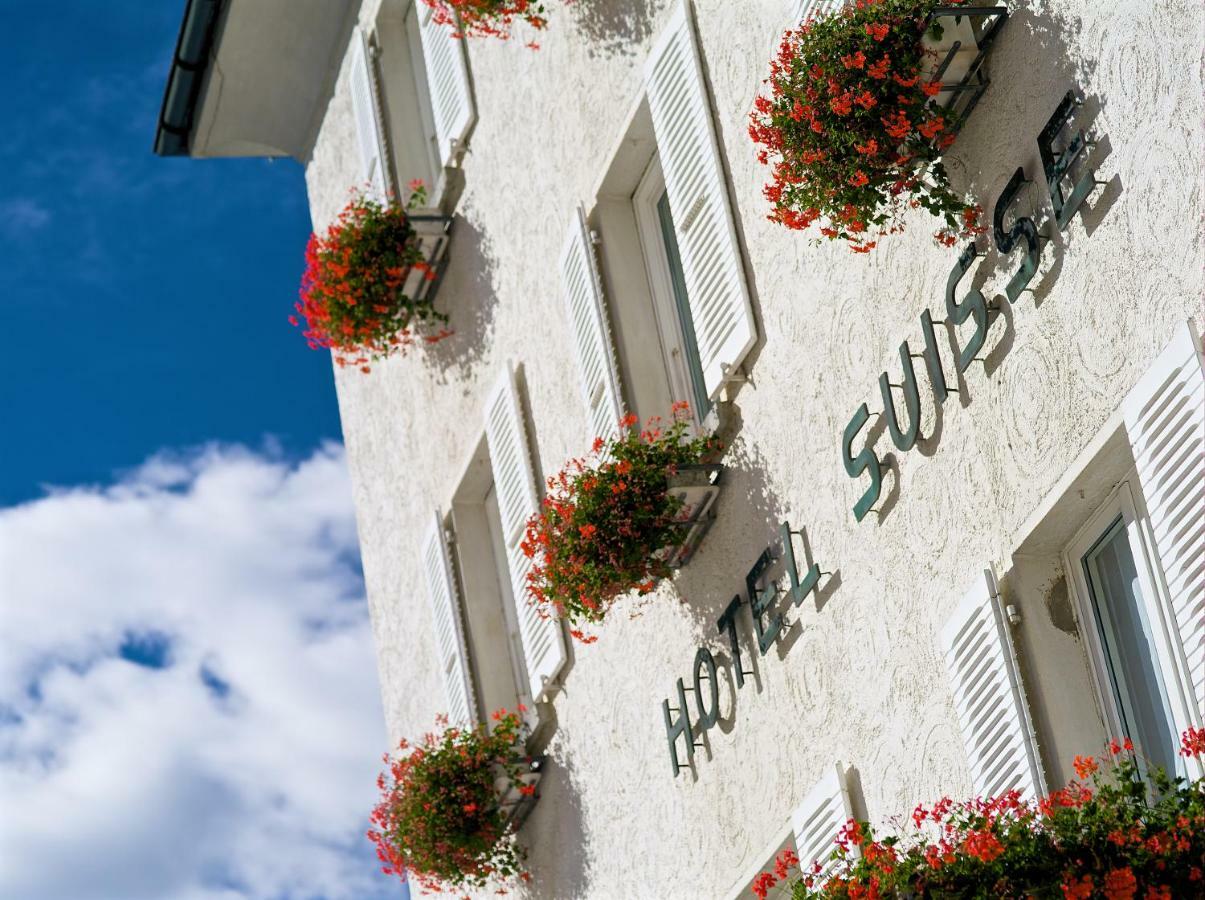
1130, 647
690, 346
514, 644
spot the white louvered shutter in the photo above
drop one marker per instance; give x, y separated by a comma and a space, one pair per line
447, 66
369, 134
1165, 420
698, 199
801, 9
591, 328
989, 697
449, 630
818, 820
514, 482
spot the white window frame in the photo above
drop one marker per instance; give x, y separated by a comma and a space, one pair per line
518, 662
670, 328
474, 527
418, 68
405, 103
1124, 504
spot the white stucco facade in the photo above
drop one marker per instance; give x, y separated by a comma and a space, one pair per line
859, 677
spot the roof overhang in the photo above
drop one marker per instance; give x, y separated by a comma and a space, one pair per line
252, 77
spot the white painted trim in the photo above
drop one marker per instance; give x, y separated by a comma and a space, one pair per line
656, 264
1126, 504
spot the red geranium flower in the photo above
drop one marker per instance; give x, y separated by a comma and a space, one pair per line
440, 820
601, 528
1137, 833
360, 294
489, 18
839, 85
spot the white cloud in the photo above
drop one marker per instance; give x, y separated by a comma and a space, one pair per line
21, 215
242, 766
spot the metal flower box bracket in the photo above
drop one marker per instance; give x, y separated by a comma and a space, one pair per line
517, 806
433, 232
698, 487
958, 58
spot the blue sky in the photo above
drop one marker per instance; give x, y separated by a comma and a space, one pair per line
188, 695
145, 299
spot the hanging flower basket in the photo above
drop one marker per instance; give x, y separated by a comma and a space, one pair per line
862, 106
452, 803
488, 18
621, 520
370, 282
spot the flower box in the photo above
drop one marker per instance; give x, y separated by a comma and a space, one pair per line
371, 279
958, 57
862, 105
452, 802
622, 520
698, 489
1122, 830
433, 233
518, 796
488, 18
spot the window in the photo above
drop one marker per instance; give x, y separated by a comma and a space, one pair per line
671, 304
1108, 580
1115, 592
412, 99
676, 321
495, 649
494, 645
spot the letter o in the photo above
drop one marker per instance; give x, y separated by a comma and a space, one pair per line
705, 668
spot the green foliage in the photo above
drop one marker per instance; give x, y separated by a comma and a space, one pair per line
1113, 833
851, 130
439, 820
604, 523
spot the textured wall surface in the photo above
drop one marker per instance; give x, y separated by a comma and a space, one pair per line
860, 678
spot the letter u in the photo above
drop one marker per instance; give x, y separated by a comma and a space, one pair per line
904, 440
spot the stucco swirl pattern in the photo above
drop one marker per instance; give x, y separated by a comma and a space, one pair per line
863, 681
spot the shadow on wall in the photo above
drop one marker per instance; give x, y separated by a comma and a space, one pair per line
555, 834
467, 295
750, 515
615, 27
1034, 68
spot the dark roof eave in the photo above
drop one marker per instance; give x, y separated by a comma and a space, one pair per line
190, 64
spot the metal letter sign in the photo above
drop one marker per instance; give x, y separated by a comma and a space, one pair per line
905, 440
1058, 165
763, 593
761, 603
1006, 241
865, 461
973, 307
768, 625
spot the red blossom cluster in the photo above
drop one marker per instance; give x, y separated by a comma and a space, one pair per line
353, 293
489, 18
604, 521
439, 820
850, 130
1112, 834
